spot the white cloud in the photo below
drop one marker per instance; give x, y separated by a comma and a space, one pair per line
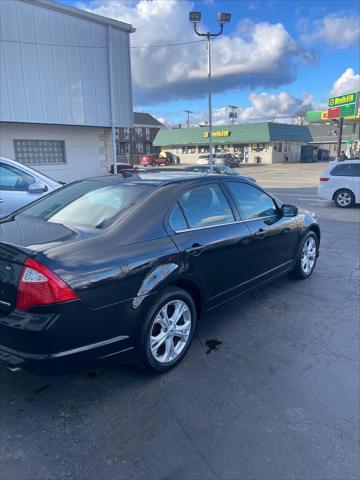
258, 54
348, 82
264, 107
339, 30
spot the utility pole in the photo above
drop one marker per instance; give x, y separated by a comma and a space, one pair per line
194, 18
188, 117
233, 113
340, 132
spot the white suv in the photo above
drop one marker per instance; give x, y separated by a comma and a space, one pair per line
340, 182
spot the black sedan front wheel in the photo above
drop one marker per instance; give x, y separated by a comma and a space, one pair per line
167, 331
307, 257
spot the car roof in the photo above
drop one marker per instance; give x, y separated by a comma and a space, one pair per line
162, 178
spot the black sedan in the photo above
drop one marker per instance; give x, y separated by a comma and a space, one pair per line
123, 267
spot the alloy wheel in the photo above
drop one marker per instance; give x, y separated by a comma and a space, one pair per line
170, 331
343, 199
308, 255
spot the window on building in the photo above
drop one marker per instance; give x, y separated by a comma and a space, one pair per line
205, 206
251, 201
139, 148
148, 148
203, 149
39, 151
127, 148
187, 149
278, 147
126, 133
147, 133
14, 179
139, 131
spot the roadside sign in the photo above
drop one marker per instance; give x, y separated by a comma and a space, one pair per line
343, 105
334, 112
342, 100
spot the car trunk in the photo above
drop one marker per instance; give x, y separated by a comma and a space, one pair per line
19, 239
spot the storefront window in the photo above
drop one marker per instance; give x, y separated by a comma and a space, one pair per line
187, 149
277, 147
203, 148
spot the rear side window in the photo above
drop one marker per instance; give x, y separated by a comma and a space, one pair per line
251, 201
89, 203
13, 179
206, 205
177, 220
346, 170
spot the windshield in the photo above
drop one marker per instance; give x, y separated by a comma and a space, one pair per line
89, 203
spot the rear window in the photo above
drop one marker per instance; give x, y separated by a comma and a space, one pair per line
346, 170
89, 203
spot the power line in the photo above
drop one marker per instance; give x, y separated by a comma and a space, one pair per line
53, 44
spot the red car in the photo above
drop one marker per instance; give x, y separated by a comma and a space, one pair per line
153, 160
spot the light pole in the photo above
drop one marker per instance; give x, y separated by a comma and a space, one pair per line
188, 117
233, 113
195, 18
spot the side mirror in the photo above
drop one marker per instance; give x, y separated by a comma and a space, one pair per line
37, 187
289, 210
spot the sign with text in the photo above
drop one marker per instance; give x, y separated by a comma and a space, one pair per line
218, 133
342, 100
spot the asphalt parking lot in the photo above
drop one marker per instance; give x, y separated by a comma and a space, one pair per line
269, 389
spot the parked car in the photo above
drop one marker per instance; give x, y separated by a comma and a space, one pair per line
227, 159
20, 185
217, 169
109, 267
121, 167
340, 182
153, 160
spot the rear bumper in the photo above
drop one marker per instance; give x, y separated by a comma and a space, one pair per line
67, 337
68, 361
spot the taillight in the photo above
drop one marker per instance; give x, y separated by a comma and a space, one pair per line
38, 285
324, 179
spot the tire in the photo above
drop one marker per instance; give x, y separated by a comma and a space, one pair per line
158, 359
153, 163
303, 269
344, 198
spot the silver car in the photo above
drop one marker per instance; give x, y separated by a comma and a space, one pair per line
20, 185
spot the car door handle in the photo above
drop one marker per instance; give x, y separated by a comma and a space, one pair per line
285, 231
195, 249
1, 200
260, 234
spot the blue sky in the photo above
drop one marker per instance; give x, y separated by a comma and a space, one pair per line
274, 57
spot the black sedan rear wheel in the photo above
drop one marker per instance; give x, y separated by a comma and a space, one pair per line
167, 331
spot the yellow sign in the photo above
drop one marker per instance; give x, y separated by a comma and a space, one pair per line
218, 133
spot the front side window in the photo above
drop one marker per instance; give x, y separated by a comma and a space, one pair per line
206, 205
251, 201
13, 179
346, 170
88, 203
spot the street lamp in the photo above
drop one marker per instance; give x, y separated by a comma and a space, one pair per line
188, 117
194, 18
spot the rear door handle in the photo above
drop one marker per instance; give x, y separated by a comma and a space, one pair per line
260, 234
195, 249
